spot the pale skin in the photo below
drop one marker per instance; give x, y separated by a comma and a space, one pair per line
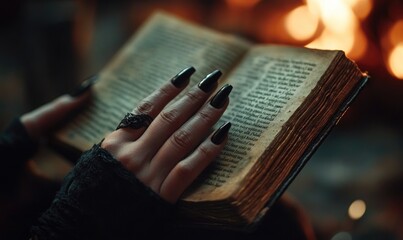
169, 154
44, 119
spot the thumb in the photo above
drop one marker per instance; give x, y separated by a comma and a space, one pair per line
43, 119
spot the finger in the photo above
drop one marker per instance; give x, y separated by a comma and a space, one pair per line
156, 101
187, 170
151, 106
42, 120
186, 138
171, 118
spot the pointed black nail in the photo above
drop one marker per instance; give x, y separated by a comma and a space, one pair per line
221, 96
84, 87
182, 77
221, 133
208, 83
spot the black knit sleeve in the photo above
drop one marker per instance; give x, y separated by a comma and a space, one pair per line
100, 199
16, 147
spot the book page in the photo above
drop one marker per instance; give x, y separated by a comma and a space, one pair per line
269, 85
163, 47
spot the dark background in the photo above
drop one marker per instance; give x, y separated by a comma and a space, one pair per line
48, 47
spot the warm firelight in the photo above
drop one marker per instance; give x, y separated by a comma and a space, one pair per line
393, 47
341, 27
329, 40
395, 61
330, 24
242, 3
396, 33
335, 15
301, 24
361, 8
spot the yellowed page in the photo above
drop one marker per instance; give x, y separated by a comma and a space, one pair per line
269, 85
163, 47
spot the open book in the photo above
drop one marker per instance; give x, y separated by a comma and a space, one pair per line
284, 102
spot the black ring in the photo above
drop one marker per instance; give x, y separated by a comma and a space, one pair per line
135, 121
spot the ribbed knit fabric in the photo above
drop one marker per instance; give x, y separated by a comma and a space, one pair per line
100, 199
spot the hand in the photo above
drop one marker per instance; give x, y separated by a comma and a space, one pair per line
25, 189
169, 154
42, 120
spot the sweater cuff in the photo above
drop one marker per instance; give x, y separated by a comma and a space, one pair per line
16, 147
16, 142
100, 199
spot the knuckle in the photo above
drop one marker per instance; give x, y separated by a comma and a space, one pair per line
110, 143
206, 152
206, 117
194, 96
124, 153
145, 107
126, 159
183, 170
169, 116
181, 139
131, 158
164, 91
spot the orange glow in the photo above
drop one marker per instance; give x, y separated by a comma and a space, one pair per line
361, 8
353, 46
329, 40
242, 3
342, 27
395, 61
84, 25
301, 24
360, 45
314, 6
336, 16
396, 33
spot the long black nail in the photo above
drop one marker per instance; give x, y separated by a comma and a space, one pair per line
182, 77
221, 96
84, 87
208, 83
221, 133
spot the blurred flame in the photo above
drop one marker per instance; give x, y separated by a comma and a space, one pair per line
301, 24
395, 61
341, 26
361, 8
396, 33
331, 40
393, 47
336, 15
242, 3
354, 46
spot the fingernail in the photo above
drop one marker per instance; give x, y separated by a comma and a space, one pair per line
221, 133
85, 86
181, 78
208, 83
221, 96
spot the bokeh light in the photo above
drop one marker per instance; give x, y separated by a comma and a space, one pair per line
357, 209
301, 24
395, 61
341, 27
